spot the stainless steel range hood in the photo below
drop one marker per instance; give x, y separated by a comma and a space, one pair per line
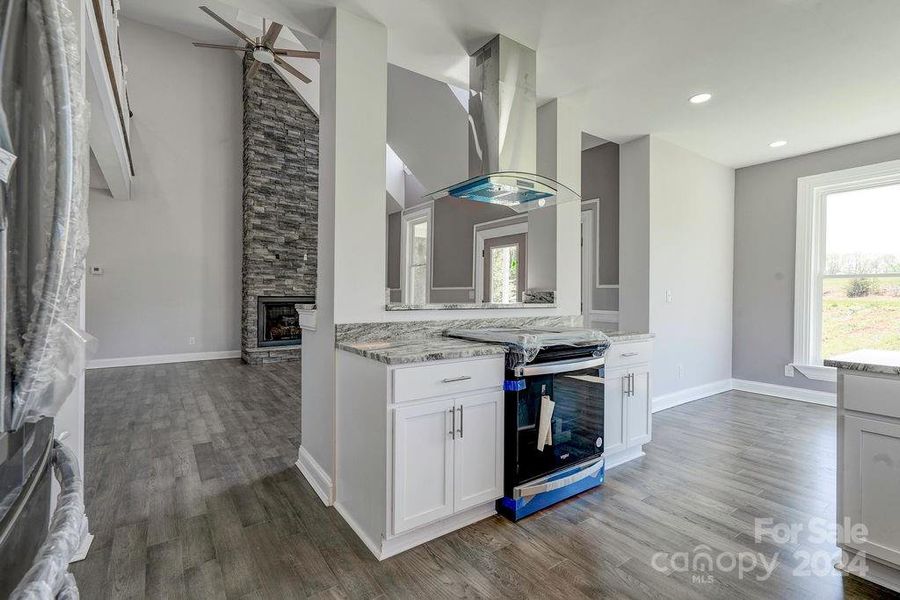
503, 132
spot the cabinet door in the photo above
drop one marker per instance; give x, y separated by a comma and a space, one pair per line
871, 485
614, 412
478, 450
423, 464
637, 409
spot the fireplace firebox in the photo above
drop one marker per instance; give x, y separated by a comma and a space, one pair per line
278, 323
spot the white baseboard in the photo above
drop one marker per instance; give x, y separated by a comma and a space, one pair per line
420, 535
620, 458
373, 546
386, 548
690, 394
785, 391
870, 569
316, 476
160, 359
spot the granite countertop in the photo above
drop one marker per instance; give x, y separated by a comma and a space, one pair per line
407, 350
467, 306
401, 351
885, 362
628, 336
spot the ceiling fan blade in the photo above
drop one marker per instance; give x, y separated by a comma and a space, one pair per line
271, 34
221, 46
254, 67
295, 53
290, 69
227, 25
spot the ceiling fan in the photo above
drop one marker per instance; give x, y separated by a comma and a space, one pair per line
261, 48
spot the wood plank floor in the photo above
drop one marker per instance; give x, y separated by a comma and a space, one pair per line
192, 493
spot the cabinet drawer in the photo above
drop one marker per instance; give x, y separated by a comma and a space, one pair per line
875, 395
628, 353
431, 380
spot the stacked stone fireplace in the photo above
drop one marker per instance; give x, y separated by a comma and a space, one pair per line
280, 210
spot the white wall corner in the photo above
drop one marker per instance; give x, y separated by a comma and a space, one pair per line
318, 479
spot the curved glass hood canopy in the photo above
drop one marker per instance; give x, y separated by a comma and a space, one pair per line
519, 191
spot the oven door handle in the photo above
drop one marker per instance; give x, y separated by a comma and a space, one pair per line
562, 366
526, 491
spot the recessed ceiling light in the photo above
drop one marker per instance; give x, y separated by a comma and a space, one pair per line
777, 144
700, 98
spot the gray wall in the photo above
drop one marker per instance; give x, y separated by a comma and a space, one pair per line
764, 248
393, 250
634, 235
427, 127
600, 179
171, 254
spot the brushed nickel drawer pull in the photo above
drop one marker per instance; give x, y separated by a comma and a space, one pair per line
629, 354
455, 379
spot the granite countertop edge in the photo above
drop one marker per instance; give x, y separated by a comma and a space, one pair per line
409, 351
847, 365
401, 351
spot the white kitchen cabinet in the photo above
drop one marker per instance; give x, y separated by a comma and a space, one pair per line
868, 490
627, 402
423, 463
419, 447
478, 450
637, 408
871, 484
614, 412
448, 456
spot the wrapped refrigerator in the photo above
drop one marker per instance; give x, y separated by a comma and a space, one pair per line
43, 233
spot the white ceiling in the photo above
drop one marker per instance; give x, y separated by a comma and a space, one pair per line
817, 73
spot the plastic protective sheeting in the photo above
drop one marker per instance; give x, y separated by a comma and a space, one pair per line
43, 122
524, 344
48, 577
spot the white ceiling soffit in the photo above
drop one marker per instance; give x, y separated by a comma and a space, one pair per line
817, 73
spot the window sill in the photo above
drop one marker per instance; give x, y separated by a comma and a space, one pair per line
817, 372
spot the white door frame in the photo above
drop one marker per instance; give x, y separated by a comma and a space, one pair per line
483, 235
407, 219
587, 266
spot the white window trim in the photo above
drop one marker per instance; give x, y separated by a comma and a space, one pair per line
810, 256
408, 218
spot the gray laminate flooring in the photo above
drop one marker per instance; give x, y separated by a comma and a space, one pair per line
192, 493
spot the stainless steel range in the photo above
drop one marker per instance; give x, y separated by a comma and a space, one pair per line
553, 423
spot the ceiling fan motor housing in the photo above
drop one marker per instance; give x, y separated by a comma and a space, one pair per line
263, 55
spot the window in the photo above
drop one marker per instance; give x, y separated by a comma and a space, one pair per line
504, 274
416, 244
847, 294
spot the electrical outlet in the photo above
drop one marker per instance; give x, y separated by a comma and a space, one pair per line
680, 371
471, 294
96, 270
788, 370
192, 340
668, 296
